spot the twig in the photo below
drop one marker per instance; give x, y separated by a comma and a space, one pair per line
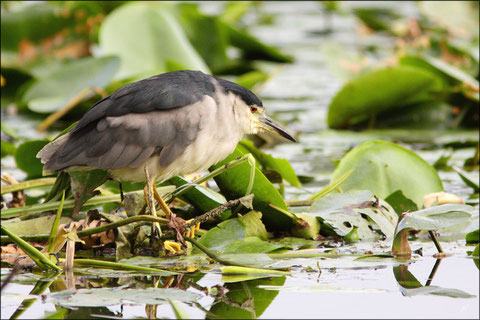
245, 200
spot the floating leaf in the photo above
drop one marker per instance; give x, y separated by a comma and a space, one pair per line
379, 91
385, 167
150, 38
400, 203
432, 218
343, 211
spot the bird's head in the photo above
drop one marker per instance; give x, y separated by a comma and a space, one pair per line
260, 122
252, 111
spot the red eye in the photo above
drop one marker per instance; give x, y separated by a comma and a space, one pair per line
253, 109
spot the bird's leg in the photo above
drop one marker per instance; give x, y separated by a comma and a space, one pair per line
150, 193
121, 192
149, 186
165, 208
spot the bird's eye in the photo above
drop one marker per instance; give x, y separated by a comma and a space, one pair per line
253, 109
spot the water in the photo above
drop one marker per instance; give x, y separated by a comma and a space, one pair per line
298, 95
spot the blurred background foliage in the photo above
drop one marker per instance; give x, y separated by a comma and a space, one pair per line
58, 53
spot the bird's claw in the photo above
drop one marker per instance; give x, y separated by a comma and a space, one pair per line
190, 233
172, 246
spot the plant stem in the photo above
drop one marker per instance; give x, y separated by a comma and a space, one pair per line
20, 211
56, 222
434, 238
184, 188
43, 182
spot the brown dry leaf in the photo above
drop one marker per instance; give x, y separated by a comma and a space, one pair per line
94, 240
12, 254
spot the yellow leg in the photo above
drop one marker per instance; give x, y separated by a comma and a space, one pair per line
149, 194
191, 231
161, 203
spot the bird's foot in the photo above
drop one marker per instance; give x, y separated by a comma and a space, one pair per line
172, 246
191, 230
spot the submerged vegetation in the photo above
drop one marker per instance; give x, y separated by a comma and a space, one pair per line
266, 216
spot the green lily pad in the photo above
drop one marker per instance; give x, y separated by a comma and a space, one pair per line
379, 91
400, 203
150, 38
26, 157
234, 183
56, 89
385, 167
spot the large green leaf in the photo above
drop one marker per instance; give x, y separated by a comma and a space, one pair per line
145, 35
56, 89
202, 198
384, 167
379, 91
243, 235
234, 183
282, 166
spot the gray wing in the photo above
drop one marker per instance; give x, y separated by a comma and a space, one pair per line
161, 92
128, 140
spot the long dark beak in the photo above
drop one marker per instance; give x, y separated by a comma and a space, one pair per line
273, 127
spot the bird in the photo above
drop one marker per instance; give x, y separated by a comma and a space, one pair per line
151, 130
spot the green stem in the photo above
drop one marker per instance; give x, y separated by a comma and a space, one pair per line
56, 222
435, 240
322, 193
38, 257
43, 182
116, 265
183, 189
20, 211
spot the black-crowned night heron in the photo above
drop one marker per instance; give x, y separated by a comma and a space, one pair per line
172, 124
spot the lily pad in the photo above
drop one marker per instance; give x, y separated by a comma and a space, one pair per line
379, 91
150, 38
384, 167
57, 88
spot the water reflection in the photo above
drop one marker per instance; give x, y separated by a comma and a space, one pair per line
410, 286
